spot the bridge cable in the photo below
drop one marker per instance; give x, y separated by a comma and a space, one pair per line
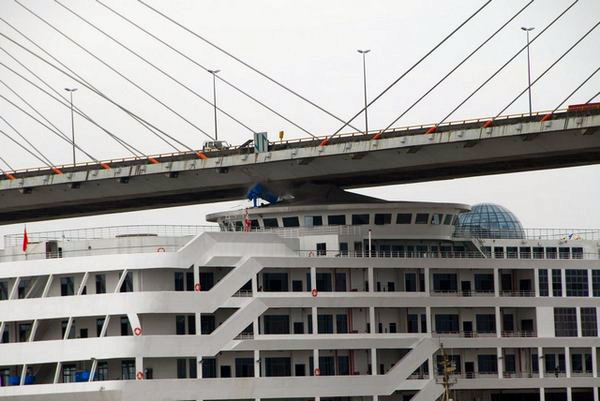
411, 68
549, 68
75, 77
116, 71
507, 63
458, 66
153, 65
219, 77
26, 149
151, 128
8, 165
256, 70
24, 138
61, 100
592, 98
576, 89
70, 142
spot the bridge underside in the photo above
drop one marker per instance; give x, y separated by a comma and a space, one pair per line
394, 160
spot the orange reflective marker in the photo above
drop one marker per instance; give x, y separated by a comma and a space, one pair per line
57, 171
432, 130
9, 176
153, 160
547, 117
377, 136
202, 155
488, 124
324, 142
105, 166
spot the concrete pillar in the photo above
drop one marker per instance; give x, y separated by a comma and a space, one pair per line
594, 362
427, 281
496, 282
256, 363
542, 394
590, 287
563, 282
568, 361
375, 398
315, 360
595, 392
430, 370
498, 322
255, 327
541, 363
536, 282
500, 362
371, 278
569, 394
313, 278
374, 367
428, 319
578, 320
372, 319
315, 321
139, 364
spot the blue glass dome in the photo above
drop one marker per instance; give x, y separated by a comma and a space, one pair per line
486, 220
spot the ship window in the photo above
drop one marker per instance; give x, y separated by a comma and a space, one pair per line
63, 329
336, 220
24, 329
538, 252
102, 371
127, 285
254, 224
239, 225
383, 218
360, 219
589, 324
543, 282
244, 367
128, 369
410, 282
511, 252
556, 283
277, 324
422, 218
448, 219
275, 282
67, 286
99, 325
3, 290
278, 367
179, 324
525, 252
596, 282
484, 282
125, 326
5, 336
577, 283
23, 285
191, 319
209, 368
321, 248
499, 252
341, 323
344, 248
310, 221
446, 323
68, 373
436, 218
291, 221
100, 283
565, 322
324, 282
550, 253
564, 253
412, 323
485, 323
509, 363
271, 223
444, 282
403, 218
181, 368
487, 363
325, 324
577, 253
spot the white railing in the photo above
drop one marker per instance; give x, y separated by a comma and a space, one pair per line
529, 233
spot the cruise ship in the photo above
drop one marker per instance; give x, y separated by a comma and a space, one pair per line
328, 295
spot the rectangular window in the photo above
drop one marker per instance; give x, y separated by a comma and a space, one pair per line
422, 218
564, 253
498, 252
383, 218
511, 252
189, 281
310, 221
326, 365
268, 223
556, 283
551, 253
444, 282
538, 252
277, 324
360, 219
127, 285
325, 324
100, 283
436, 218
343, 365
67, 286
125, 326
275, 282
322, 248
290, 221
341, 323
577, 283
589, 324
181, 369
68, 374
596, 283
484, 282
209, 368
193, 369
336, 220
404, 218
324, 282
509, 363
3, 290
446, 323
565, 322
448, 220
179, 281
543, 282
244, 367
525, 252
99, 324
102, 371
278, 367
344, 248
179, 324
486, 323
24, 330
410, 282
577, 253
128, 370
412, 323
487, 363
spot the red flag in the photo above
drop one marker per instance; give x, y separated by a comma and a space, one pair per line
25, 240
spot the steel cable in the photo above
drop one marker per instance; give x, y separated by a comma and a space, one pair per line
576, 89
24, 138
25, 149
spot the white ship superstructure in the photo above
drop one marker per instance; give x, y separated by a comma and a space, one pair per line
340, 297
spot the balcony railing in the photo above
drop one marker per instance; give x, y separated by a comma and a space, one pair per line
462, 293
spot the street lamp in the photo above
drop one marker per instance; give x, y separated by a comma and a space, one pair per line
527, 30
72, 121
364, 53
214, 74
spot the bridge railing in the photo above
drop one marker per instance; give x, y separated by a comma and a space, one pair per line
529, 233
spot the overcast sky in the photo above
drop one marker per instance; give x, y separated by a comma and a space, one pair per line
311, 47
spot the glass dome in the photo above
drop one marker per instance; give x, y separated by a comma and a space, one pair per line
486, 220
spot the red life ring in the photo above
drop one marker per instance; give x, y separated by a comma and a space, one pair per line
137, 331
161, 250
197, 287
314, 292
317, 372
139, 375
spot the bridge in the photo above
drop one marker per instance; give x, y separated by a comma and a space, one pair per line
395, 156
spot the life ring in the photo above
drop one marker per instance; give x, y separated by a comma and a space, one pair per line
311, 254
139, 375
314, 292
317, 372
197, 287
161, 250
137, 331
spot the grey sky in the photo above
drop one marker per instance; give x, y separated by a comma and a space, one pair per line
310, 46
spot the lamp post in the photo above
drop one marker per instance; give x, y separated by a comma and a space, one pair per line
364, 53
527, 30
72, 120
214, 75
